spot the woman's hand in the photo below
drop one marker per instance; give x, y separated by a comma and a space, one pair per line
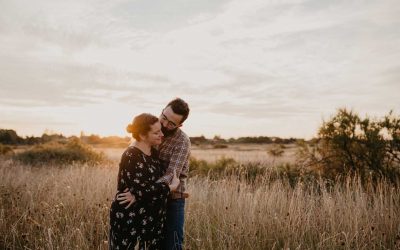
174, 183
126, 197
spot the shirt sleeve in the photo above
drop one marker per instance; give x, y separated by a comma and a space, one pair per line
178, 160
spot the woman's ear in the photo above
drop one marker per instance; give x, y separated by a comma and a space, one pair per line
142, 137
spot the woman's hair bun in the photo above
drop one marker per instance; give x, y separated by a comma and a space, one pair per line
129, 128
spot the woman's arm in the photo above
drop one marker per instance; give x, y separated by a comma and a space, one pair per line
140, 183
128, 197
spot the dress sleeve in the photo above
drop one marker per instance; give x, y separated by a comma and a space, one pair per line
141, 183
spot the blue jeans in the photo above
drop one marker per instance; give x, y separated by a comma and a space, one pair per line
174, 224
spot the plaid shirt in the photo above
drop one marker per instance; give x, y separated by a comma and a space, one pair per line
174, 151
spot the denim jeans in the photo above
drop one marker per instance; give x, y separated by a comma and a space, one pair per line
174, 224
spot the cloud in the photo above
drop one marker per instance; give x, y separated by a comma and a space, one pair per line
160, 16
237, 59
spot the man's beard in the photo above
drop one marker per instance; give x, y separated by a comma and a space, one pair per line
167, 132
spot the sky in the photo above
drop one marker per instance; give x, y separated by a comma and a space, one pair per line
246, 67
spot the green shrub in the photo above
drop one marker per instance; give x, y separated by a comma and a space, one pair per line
198, 167
220, 146
204, 168
224, 167
60, 154
348, 144
251, 172
10, 137
276, 152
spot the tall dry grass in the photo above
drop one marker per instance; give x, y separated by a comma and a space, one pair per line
54, 208
67, 208
242, 153
230, 214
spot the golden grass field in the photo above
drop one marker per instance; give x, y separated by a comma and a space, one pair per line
242, 153
67, 208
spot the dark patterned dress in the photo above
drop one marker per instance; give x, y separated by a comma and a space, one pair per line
144, 220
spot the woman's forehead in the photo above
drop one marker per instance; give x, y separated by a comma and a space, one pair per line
156, 126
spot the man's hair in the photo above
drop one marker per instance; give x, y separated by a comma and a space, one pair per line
179, 107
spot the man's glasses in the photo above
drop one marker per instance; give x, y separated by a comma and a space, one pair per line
170, 123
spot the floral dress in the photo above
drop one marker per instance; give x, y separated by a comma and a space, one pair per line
143, 221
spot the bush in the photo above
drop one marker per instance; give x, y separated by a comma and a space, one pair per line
220, 146
348, 144
60, 154
276, 151
5, 150
198, 167
224, 167
252, 172
221, 167
10, 137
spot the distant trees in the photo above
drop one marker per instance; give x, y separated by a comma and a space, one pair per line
9, 137
52, 137
112, 141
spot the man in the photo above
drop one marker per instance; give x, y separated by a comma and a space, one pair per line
174, 152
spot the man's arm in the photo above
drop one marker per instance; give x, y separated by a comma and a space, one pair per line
179, 158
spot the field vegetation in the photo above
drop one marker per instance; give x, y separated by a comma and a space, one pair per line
338, 191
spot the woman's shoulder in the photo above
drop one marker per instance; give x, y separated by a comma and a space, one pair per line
131, 152
131, 158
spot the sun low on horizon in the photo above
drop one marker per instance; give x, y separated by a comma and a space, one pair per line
246, 68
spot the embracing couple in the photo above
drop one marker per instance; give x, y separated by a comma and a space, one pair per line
148, 208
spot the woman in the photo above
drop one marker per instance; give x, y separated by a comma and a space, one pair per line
139, 170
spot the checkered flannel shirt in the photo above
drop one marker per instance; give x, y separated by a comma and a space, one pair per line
174, 151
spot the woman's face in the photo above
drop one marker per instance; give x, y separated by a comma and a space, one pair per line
154, 136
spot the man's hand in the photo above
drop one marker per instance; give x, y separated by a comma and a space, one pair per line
174, 183
126, 197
